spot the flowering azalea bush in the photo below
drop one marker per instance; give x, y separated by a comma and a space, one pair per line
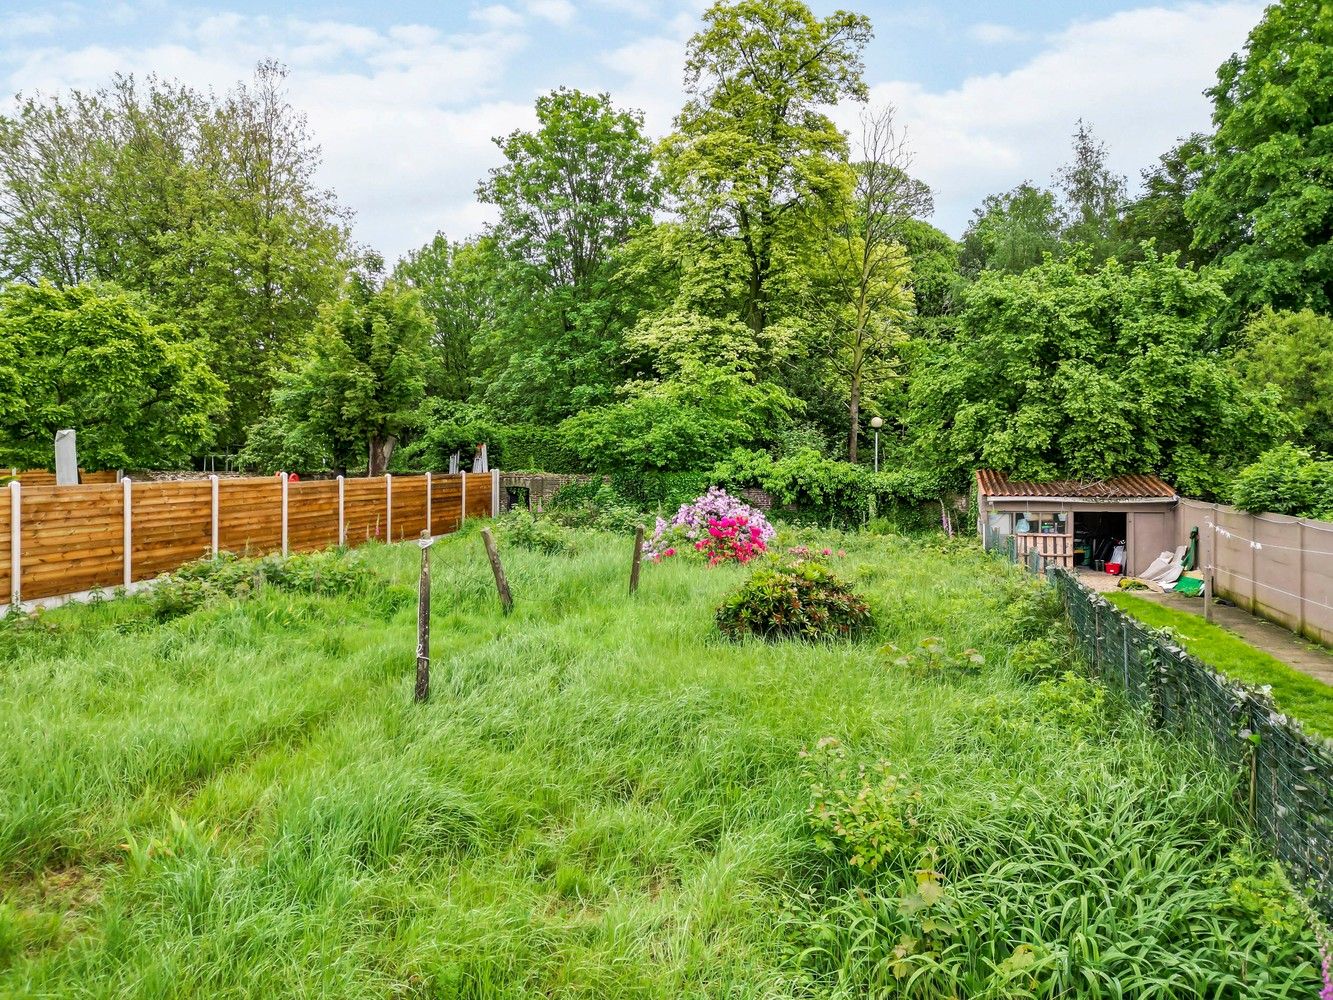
716, 526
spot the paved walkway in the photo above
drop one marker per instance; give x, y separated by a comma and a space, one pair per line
1274, 640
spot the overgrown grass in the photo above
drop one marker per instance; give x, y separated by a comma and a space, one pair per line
1297, 694
601, 799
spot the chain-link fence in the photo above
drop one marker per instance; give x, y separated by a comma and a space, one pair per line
1286, 773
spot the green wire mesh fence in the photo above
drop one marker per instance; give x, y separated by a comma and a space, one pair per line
1286, 774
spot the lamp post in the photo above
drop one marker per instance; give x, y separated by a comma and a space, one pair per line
876, 423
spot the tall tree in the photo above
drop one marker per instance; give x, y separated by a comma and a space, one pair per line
1011, 232
207, 204
1093, 196
359, 383
1265, 198
569, 193
455, 284
1070, 370
1158, 214
1294, 352
752, 146
868, 265
90, 357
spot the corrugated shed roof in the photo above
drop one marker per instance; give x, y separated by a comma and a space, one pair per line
997, 484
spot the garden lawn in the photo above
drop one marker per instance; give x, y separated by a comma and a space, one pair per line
604, 799
1295, 693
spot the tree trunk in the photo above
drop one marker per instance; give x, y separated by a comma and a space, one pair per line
381, 450
854, 433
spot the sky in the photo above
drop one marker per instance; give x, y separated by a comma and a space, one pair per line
405, 98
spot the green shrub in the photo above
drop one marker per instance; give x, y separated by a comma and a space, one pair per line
1038, 659
830, 491
593, 504
933, 659
794, 600
1286, 480
862, 816
203, 581
545, 535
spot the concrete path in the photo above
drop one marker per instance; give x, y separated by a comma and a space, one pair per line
1274, 640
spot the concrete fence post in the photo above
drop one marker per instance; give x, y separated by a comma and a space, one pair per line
15, 543
1300, 577
128, 528
283, 477
429, 500
462, 502
342, 511
1253, 532
213, 488
495, 493
388, 507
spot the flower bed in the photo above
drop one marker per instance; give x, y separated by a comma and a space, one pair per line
716, 527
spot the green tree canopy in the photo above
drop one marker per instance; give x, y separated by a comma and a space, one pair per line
570, 193
205, 203
1265, 198
1011, 232
1070, 371
358, 386
1294, 352
752, 146
89, 357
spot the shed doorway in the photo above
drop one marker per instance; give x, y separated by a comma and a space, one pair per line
1096, 536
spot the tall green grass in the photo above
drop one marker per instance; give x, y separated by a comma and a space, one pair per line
601, 799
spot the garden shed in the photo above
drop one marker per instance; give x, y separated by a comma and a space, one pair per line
1080, 522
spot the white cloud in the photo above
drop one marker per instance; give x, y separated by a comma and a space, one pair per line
989, 33
404, 116
1136, 76
497, 17
559, 12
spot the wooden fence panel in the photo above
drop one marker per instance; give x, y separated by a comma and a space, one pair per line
44, 477
446, 506
366, 510
250, 516
171, 524
478, 494
72, 538
312, 515
6, 583
409, 506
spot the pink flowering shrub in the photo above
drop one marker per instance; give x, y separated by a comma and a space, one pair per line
716, 526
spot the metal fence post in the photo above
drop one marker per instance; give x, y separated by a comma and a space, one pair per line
213, 485
342, 511
128, 529
388, 507
15, 543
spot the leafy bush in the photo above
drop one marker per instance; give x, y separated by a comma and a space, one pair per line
863, 816
1286, 480
829, 490
593, 504
932, 659
545, 535
716, 526
654, 491
794, 600
204, 581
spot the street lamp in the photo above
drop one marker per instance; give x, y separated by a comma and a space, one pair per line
876, 423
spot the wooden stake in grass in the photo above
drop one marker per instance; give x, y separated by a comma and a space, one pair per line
501, 584
423, 620
638, 556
